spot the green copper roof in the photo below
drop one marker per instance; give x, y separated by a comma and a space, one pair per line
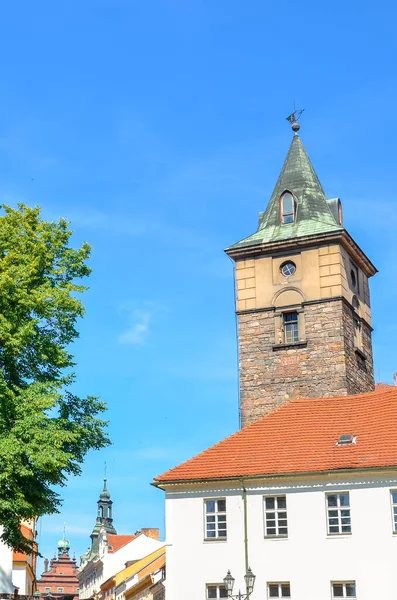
314, 213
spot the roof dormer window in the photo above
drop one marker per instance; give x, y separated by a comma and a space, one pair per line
287, 208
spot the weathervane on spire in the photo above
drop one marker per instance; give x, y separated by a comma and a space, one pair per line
294, 117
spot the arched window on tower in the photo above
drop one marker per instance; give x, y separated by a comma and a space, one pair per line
287, 208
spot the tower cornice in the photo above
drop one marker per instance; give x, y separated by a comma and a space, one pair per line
294, 245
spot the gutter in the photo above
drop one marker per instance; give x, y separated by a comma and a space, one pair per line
244, 490
349, 470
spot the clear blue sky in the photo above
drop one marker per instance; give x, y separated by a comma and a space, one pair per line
158, 128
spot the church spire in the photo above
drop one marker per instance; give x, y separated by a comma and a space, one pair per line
309, 212
104, 517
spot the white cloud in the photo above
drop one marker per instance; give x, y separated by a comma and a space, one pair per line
137, 330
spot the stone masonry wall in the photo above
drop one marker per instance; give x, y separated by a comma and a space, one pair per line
325, 365
359, 367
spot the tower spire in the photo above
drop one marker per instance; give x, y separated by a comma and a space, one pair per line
104, 517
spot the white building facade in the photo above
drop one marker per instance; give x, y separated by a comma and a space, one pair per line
308, 538
6, 554
306, 496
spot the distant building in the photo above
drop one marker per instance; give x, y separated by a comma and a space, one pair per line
109, 552
24, 565
143, 579
60, 579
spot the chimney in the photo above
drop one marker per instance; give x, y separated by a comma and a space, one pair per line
45, 565
152, 532
395, 378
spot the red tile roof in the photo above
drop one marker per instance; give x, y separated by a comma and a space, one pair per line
300, 437
27, 533
118, 541
380, 385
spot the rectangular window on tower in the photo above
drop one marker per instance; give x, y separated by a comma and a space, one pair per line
290, 326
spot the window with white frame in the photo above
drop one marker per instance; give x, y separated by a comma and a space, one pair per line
343, 589
394, 509
215, 518
216, 590
278, 590
60, 590
275, 508
291, 328
338, 513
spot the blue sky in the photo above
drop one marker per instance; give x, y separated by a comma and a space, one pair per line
158, 128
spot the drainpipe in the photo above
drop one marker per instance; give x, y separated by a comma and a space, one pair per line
245, 530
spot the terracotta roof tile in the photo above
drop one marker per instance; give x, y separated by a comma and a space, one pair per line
381, 386
300, 437
118, 541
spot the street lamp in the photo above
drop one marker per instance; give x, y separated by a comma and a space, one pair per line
249, 578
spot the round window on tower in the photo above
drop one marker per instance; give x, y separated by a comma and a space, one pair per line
288, 268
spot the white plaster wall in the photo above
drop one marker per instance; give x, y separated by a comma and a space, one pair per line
20, 580
134, 550
6, 586
309, 559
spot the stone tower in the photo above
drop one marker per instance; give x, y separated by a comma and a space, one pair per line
303, 304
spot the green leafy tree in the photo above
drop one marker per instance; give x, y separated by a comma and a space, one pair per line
45, 430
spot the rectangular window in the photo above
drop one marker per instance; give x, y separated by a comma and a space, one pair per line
394, 509
215, 518
60, 590
338, 513
278, 590
216, 590
275, 516
48, 590
290, 324
345, 589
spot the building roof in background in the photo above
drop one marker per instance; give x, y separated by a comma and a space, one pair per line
301, 437
137, 566
118, 541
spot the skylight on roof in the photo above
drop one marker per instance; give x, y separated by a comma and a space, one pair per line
346, 439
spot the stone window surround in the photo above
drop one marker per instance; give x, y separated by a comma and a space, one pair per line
279, 322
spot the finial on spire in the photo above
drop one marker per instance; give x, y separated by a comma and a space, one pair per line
293, 119
64, 530
105, 468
